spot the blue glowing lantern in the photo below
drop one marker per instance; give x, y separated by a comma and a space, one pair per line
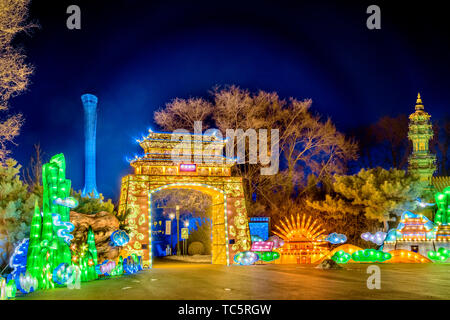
119, 238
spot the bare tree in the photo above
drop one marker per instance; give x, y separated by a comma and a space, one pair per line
392, 134
14, 71
181, 114
441, 143
33, 173
190, 201
307, 144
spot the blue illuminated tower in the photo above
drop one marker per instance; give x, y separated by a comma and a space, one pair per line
90, 129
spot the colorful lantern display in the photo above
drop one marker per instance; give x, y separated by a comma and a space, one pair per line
412, 227
87, 258
441, 255
268, 256
341, 256
336, 238
370, 255
61, 274
105, 268
407, 256
2, 288
47, 250
118, 270
262, 246
26, 283
7, 288
119, 238
256, 238
66, 229
277, 241
18, 260
303, 239
442, 216
377, 238
246, 258
69, 202
132, 264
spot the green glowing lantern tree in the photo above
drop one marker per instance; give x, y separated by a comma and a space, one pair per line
442, 202
88, 258
47, 249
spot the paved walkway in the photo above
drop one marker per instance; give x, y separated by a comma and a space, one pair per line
175, 280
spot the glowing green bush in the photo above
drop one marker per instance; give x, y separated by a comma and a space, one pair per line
268, 256
441, 255
443, 205
371, 255
341, 257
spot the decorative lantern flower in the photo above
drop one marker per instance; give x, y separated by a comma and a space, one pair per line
119, 238
277, 241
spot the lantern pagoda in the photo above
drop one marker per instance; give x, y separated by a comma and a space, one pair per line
421, 161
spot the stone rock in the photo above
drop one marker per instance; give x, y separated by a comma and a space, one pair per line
329, 264
196, 248
103, 224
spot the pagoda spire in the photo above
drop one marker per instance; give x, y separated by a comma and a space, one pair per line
421, 161
419, 104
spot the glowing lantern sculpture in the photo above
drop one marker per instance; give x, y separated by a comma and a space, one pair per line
443, 204
87, 259
49, 258
256, 238
3, 288
277, 241
441, 255
68, 202
119, 238
26, 283
370, 255
47, 249
18, 260
341, 256
246, 258
336, 238
304, 240
63, 232
105, 268
132, 264
118, 270
268, 256
377, 238
61, 274
262, 246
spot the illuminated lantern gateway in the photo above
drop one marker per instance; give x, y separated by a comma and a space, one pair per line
199, 165
304, 241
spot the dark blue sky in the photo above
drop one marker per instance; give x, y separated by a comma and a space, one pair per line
138, 55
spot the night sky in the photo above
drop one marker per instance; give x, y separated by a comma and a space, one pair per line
138, 55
